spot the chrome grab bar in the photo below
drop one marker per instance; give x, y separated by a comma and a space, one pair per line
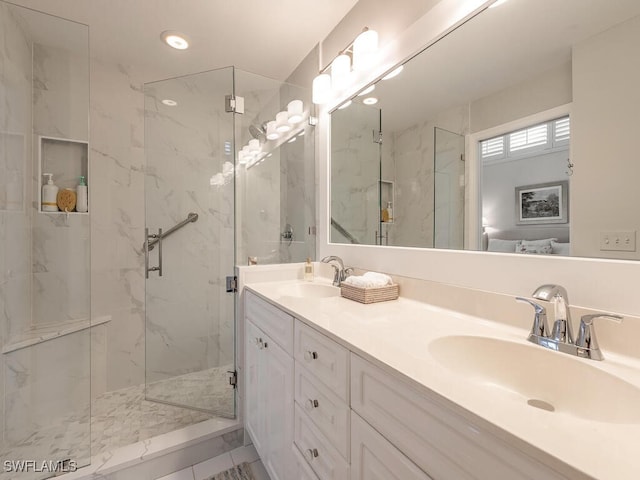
343, 231
192, 217
155, 237
150, 239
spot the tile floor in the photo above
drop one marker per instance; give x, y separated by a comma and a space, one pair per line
124, 417
213, 466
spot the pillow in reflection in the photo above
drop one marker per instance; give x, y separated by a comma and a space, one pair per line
558, 248
534, 249
504, 246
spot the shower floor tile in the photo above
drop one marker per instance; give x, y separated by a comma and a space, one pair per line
123, 417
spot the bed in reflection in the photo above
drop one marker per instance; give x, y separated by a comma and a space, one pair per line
529, 241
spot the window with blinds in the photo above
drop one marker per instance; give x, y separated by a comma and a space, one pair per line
545, 136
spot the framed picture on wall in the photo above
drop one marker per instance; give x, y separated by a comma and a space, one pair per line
542, 203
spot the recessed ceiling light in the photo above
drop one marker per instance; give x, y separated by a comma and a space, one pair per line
176, 40
169, 102
370, 101
345, 105
394, 73
367, 90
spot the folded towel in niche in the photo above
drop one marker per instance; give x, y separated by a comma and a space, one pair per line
368, 280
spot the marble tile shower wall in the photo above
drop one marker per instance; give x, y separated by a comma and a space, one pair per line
116, 188
15, 153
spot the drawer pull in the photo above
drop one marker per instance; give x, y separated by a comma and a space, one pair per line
308, 355
261, 343
311, 404
311, 453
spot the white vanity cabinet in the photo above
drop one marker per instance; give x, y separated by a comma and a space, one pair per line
269, 385
321, 425
333, 415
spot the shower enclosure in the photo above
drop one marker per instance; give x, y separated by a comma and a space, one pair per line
44, 256
209, 207
66, 392
395, 185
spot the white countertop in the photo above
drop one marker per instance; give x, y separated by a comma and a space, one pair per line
396, 336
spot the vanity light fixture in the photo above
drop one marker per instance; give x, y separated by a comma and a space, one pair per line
367, 90
282, 122
169, 103
361, 53
393, 73
295, 110
175, 40
365, 47
321, 89
370, 101
345, 105
254, 146
272, 133
340, 71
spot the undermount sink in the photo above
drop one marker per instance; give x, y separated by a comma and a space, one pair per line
309, 290
540, 378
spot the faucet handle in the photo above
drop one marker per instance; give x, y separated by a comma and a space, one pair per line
540, 327
587, 335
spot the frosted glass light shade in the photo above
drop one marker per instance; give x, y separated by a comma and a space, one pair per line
282, 122
254, 146
340, 71
321, 89
365, 47
272, 133
295, 109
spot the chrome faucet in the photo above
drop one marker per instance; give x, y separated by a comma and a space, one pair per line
340, 273
562, 330
560, 338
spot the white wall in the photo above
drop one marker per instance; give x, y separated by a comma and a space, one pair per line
604, 139
599, 284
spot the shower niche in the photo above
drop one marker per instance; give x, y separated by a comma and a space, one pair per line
67, 160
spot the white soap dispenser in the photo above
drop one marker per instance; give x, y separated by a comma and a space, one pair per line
49, 194
82, 204
389, 212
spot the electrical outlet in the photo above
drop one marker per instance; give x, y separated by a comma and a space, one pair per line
618, 241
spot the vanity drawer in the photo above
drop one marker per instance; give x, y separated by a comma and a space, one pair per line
374, 457
324, 358
440, 442
325, 409
271, 320
321, 456
303, 470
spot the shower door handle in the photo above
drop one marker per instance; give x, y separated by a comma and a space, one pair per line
158, 238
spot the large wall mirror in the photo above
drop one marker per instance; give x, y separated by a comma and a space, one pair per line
516, 133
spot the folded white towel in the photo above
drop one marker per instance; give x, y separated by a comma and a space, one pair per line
368, 280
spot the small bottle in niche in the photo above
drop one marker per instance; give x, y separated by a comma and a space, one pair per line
49, 194
389, 212
82, 204
308, 270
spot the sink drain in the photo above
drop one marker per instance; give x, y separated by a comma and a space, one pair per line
541, 404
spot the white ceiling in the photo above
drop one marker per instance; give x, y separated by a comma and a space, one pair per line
501, 47
266, 37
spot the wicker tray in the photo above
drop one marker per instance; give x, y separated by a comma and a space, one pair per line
370, 295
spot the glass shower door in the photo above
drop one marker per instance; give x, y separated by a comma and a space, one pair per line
189, 194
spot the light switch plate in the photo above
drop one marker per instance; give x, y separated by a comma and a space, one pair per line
623, 241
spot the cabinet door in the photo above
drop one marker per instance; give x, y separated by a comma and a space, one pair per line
374, 458
254, 396
278, 389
